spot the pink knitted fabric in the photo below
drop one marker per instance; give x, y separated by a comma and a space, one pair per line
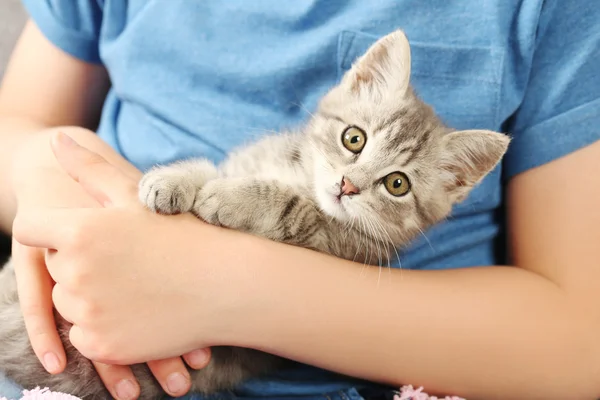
409, 393
406, 393
43, 394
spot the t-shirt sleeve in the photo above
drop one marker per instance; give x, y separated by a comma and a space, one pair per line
560, 112
71, 25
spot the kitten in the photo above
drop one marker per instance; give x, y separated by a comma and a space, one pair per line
372, 168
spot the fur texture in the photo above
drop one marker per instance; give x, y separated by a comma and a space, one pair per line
372, 168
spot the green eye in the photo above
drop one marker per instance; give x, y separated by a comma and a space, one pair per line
354, 139
397, 184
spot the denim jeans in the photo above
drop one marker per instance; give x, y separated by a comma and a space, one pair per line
12, 391
9, 389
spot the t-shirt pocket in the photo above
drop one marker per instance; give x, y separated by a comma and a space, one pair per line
463, 85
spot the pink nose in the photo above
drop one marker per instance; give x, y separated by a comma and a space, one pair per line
348, 188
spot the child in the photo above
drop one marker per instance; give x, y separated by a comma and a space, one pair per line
170, 80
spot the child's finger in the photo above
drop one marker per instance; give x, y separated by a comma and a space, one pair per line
119, 380
172, 375
35, 295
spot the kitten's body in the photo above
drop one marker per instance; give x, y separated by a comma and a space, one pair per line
372, 169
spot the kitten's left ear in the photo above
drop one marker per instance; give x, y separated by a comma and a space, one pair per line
468, 157
384, 67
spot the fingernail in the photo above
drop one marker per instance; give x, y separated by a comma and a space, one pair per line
176, 383
198, 358
126, 390
66, 140
51, 363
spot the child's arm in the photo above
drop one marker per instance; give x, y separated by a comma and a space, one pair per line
484, 333
43, 87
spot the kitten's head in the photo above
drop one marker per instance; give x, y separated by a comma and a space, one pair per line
383, 159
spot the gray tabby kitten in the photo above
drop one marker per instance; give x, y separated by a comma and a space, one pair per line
372, 169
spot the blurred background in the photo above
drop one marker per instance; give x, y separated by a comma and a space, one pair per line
12, 18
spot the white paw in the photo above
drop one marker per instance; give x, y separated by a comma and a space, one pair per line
218, 203
167, 191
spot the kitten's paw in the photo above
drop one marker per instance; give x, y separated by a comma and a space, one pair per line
168, 192
218, 203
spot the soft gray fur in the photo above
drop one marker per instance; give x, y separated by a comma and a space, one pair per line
290, 188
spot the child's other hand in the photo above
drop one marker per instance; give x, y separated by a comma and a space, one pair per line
40, 183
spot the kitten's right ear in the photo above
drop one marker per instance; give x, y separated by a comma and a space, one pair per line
384, 67
468, 156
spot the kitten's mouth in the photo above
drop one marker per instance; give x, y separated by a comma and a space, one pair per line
337, 200
332, 203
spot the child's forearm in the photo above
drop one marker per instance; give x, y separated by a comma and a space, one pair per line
13, 133
492, 333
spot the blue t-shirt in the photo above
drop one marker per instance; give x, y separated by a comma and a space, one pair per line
197, 78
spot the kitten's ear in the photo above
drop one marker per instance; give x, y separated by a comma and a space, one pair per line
385, 66
468, 157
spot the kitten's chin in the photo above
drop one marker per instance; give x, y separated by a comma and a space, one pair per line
332, 206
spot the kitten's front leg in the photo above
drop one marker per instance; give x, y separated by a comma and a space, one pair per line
281, 213
172, 189
264, 208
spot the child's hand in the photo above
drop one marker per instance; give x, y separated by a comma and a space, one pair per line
126, 280
41, 183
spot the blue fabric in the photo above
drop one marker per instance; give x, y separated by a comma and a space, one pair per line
197, 78
9, 389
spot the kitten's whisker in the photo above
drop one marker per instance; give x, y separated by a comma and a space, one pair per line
386, 243
376, 234
375, 237
359, 241
331, 218
372, 236
391, 242
367, 243
299, 104
257, 129
378, 240
426, 238
389, 238
360, 233
345, 229
351, 226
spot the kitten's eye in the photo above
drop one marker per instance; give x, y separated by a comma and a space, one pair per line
397, 184
354, 139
